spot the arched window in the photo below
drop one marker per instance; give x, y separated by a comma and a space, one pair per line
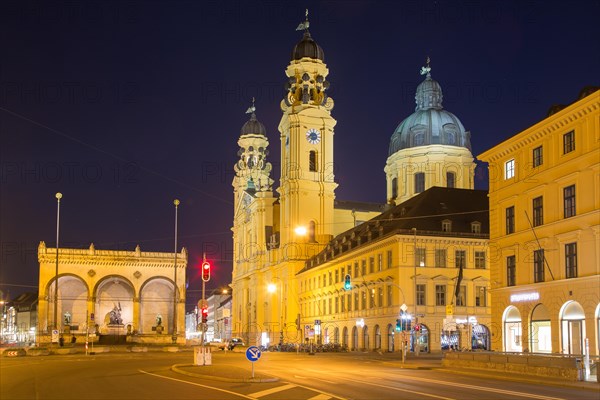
311, 231
419, 182
312, 161
394, 188
419, 139
450, 179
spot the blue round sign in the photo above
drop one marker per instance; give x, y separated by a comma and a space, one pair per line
253, 353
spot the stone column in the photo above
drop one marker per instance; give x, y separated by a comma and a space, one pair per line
136, 315
91, 309
42, 316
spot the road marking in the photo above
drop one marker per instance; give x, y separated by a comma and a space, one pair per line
485, 389
400, 390
271, 391
320, 397
197, 384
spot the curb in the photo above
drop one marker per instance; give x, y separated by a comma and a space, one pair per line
176, 368
524, 379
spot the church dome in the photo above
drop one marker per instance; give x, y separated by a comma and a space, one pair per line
307, 47
430, 123
253, 126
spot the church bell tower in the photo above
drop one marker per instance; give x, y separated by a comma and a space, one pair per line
306, 130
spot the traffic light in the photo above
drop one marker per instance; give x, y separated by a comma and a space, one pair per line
206, 271
204, 315
398, 325
417, 327
347, 282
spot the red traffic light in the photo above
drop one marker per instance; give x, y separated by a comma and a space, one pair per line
206, 271
204, 314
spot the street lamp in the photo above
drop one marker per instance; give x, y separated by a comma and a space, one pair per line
176, 203
271, 288
416, 336
58, 197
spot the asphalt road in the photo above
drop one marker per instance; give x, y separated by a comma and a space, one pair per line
323, 376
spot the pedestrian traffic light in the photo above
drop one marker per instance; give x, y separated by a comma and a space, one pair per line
206, 271
398, 325
347, 282
204, 315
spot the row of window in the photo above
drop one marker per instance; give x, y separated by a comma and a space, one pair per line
539, 265
376, 265
441, 257
569, 210
419, 178
374, 298
538, 155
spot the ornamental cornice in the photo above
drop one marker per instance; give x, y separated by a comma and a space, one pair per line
547, 126
96, 257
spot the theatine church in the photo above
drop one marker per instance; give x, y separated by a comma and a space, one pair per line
311, 268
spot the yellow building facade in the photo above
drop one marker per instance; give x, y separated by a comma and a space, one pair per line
281, 235
545, 233
113, 293
404, 266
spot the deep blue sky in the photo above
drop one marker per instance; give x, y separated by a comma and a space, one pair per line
124, 106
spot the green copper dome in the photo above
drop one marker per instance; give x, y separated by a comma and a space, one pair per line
430, 123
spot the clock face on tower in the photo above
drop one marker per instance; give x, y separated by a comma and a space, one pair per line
313, 136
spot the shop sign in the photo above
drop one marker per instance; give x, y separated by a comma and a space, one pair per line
517, 298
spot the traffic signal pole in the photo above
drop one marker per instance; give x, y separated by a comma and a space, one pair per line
202, 315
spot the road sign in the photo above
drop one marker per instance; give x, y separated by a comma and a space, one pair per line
54, 335
253, 353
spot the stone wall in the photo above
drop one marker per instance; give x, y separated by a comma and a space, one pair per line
551, 367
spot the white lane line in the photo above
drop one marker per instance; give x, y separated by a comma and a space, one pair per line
197, 384
271, 391
320, 397
473, 387
399, 389
485, 389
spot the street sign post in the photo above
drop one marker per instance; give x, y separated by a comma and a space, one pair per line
253, 353
54, 335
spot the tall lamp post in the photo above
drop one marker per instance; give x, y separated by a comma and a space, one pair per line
416, 332
58, 197
176, 203
272, 288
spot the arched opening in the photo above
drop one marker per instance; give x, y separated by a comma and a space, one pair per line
449, 338
312, 161
394, 187
312, 232
480, 339
419, 182
420, 337
336, 335
390, 338
345, 337
156, 307
572, 319
71, 306
512, 330
365, 334
450, 179
354, 338
540, 338
377, 332
114, 308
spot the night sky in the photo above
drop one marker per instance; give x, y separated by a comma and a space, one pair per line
125, 106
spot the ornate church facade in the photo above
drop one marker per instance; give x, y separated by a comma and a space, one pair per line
295, 247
